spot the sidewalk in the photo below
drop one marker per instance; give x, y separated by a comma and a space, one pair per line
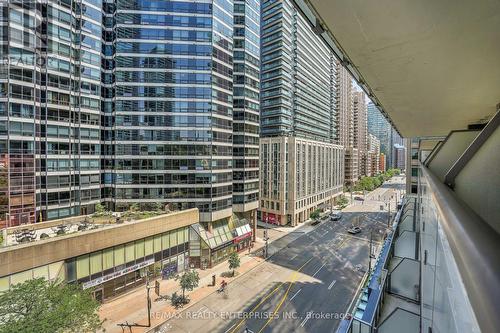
132, 307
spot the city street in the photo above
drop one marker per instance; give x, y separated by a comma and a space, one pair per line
306, 286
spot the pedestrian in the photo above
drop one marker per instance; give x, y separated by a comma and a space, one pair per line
249, 249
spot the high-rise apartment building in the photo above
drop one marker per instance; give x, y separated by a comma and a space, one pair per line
50, 109
301, 167
246, 89
380, 127
172, 107
360, 132
373, 155
388, 136
344, 116
129, 102
359, 128
345, 124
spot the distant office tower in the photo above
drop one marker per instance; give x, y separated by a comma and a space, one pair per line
301, 167
399, 156
381, 128
396, 143
129, 102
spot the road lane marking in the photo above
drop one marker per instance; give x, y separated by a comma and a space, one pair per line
295, 256
326, 232
230, 328
318, 270
294, 278
270, 294
298, 291
260, 303
331, 284
306, 319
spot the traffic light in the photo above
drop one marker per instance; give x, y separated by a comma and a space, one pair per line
157, 288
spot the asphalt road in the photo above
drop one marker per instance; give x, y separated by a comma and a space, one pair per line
331, 263
307, 284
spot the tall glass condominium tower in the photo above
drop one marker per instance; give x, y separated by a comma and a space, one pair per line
127, 101
301, 166
50, 109
246, 106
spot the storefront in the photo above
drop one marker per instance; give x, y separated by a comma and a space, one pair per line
208, 249
243, 237
107, 259
271, 218
115, 270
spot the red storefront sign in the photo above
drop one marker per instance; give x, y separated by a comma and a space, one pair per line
271, 218
242, 237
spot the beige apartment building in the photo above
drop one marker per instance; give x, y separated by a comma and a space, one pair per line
373, 155
360, 133
297, 177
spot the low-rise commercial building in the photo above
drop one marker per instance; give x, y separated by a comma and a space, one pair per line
111, 259
208, 248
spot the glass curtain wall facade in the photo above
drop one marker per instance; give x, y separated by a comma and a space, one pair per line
299, 106
172, 112
49, 109
299, 75
128, 101
380, 127
246, 106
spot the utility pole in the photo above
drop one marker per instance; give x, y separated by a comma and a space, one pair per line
389, 218
370, 255
266, 238
148, 299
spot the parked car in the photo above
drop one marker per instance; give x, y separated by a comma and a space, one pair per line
359, 199
335, 216
354, 230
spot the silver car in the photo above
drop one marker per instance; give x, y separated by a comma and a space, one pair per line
336, 216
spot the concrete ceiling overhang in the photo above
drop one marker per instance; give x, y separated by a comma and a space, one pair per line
432, 65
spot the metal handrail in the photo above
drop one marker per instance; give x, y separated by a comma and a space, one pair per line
475, 246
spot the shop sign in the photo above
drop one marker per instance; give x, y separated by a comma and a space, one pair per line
242, 237
114, 275
271, 218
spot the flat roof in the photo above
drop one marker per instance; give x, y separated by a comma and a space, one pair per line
21, 257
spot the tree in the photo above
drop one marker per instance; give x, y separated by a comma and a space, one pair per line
342, 201
188, 281
315, 215
234, 261
134, 207
44, 307
100, 210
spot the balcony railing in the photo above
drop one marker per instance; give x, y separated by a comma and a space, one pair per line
438, 269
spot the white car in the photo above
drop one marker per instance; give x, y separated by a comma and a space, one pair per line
335, 216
